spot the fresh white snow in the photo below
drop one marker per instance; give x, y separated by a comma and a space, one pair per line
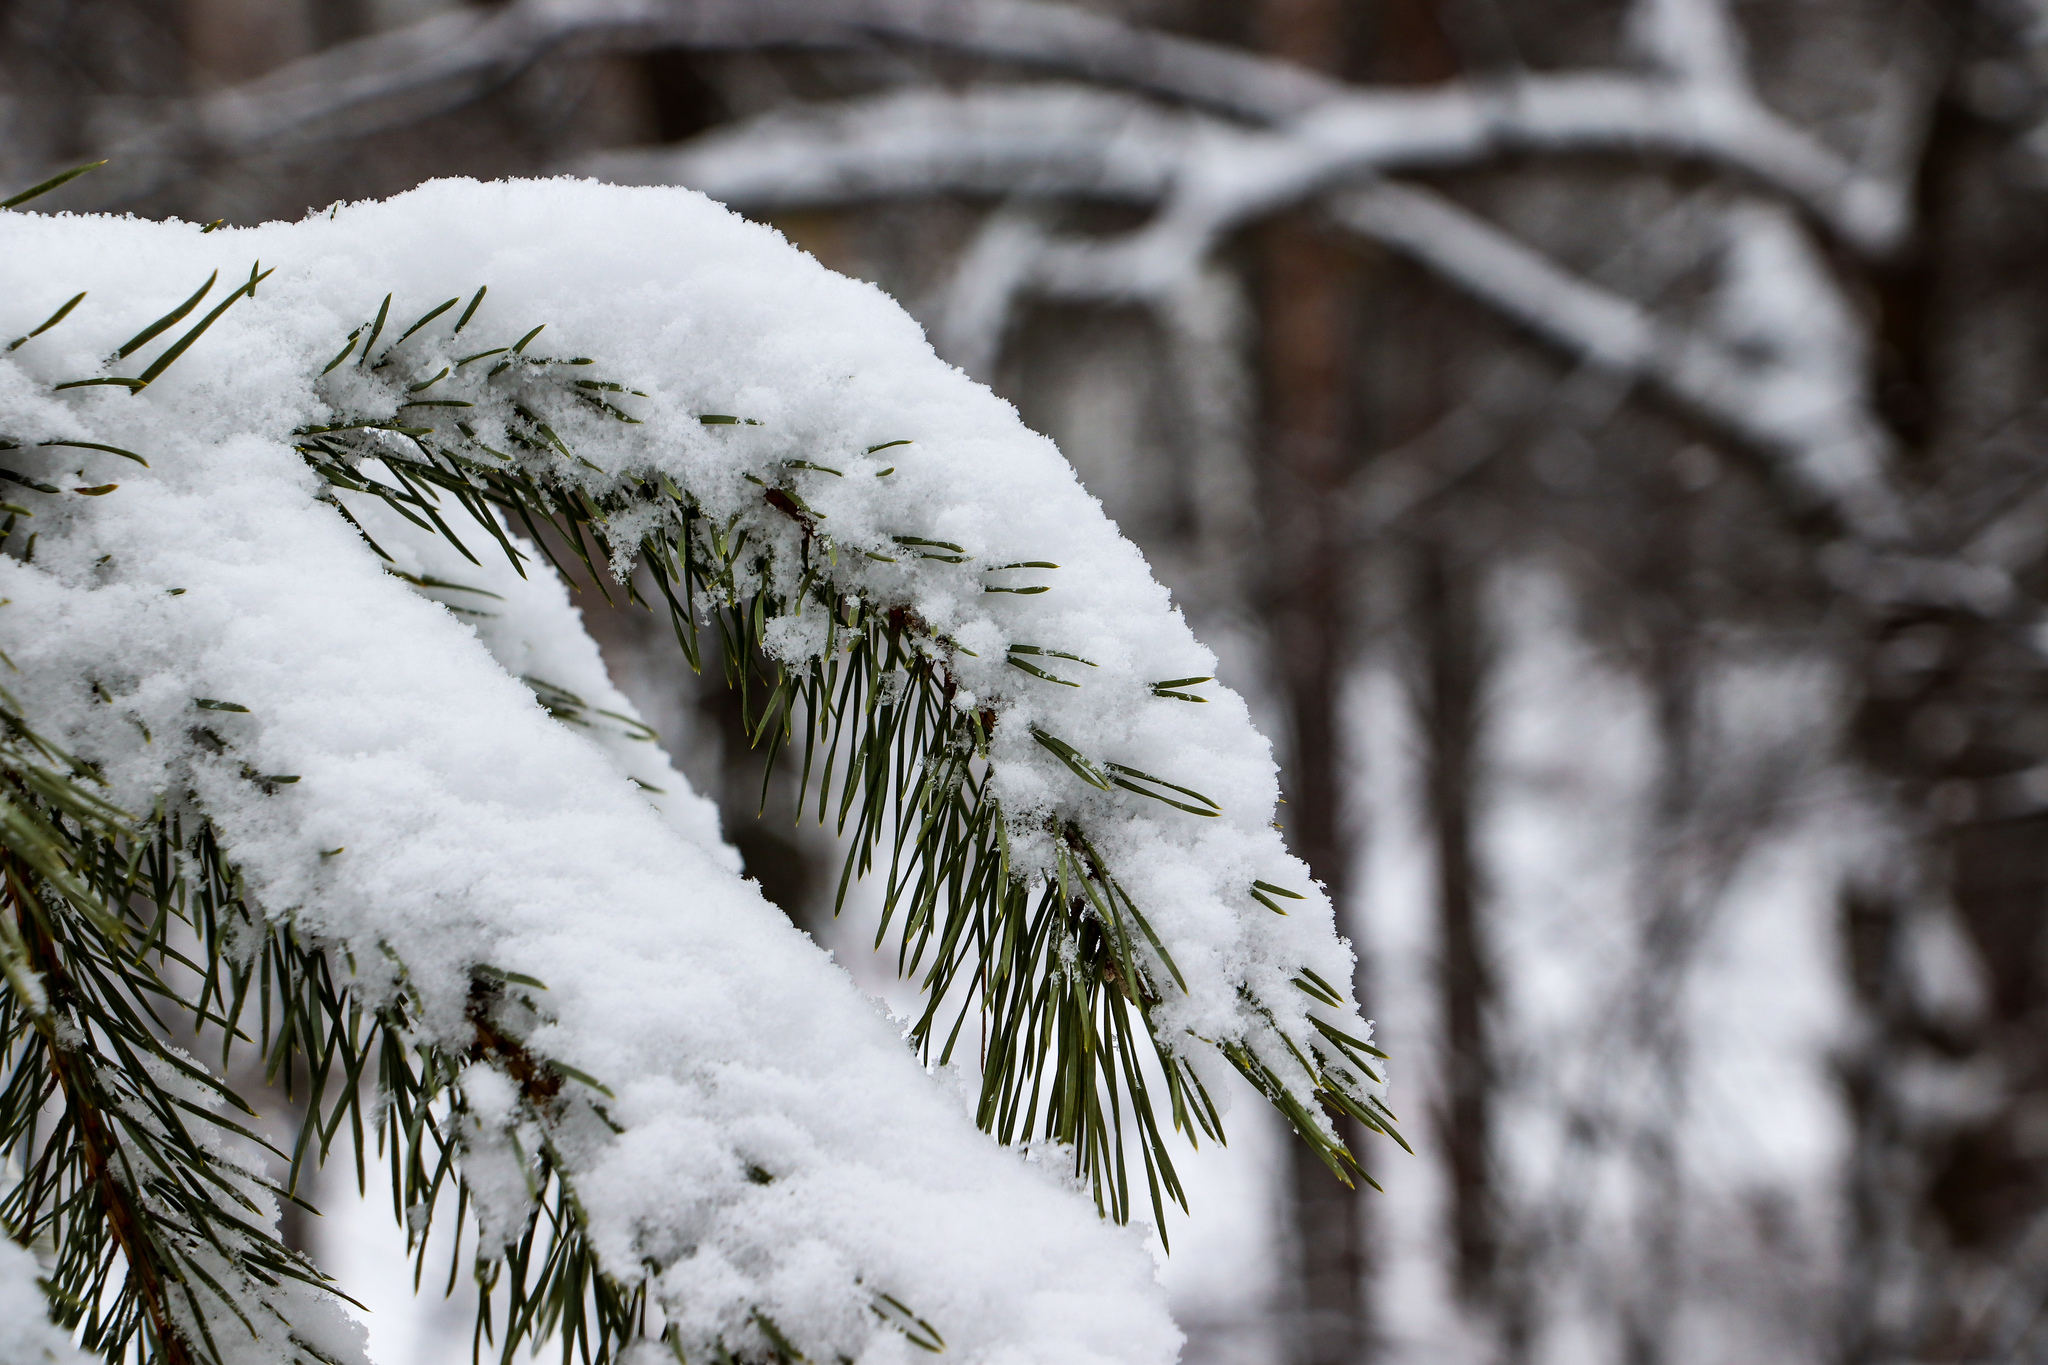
26, 1334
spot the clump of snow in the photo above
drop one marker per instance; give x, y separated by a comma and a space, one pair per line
527, 623
27, 1336
768, 1149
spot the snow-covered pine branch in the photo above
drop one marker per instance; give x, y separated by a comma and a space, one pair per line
668, 1111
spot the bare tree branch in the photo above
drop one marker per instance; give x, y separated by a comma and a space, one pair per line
401, 75
1063, 38
1787, 379
1226, 175
1801, 404
1024, 141
1694, 39
1209, 177
1006, 258
1328, 130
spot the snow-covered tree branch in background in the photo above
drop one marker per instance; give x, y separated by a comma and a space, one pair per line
1799, 398
1072, 143
667, 1113
1330, 129
1286, 135
1242, 137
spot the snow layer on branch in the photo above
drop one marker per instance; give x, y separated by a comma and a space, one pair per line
530, 627
27, 1336
478, 831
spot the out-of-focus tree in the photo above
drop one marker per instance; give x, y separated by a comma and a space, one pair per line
1719, 324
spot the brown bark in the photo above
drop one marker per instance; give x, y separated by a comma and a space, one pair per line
1307, 311
1451, 646
1944, 1205
1308, 305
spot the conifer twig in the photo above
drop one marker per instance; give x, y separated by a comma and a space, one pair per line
99, 1149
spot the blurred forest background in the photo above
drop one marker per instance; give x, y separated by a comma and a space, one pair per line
1606, 440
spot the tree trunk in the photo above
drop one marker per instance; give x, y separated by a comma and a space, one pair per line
1307, 313
1308, 304
1949, 1201
1451, 690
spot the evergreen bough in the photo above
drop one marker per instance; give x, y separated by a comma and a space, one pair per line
125, 930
